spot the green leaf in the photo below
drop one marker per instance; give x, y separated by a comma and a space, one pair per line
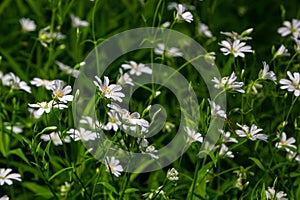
19, 153
294, 174
131, 190
108, 186
263, 192
4, 143
38, 190
59, 172
258, 163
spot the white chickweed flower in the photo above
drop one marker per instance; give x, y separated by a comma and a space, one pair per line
181, 15
111, 91
151, 151
61, 92
113, 166
42, 82
287, 144
172, 174
266, 74
136, 69
224, 151
67, 69
204, 30
7, 177
5, 197
56, 138
272, 194
27, 24
193, 136
43, 107
216, 110
46, 37
228, 83
15, 128
282, 51
169, 52
292, 85
225, 137
124, 78
235, 36
252, 133
77, 22
14, 82
237, 48
290, 28
81, 134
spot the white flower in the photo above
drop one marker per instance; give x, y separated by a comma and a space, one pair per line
204, 30
224, 151
229, 83
235, 36
124, 78
169, 52
27, 24
6, 177
136, 69
113, 121
134, 119
290, 28
42, 82
81, 134
172, 174
113, 166
166, 24
266, 74
193, 136
109, 91
56, 138
237, 48
150, 150
297, 41
210, 57
45, 107
14, 82
251, 133
64, 189
67, 69
293, 156
173, 5
5, 197
121, 117
60, 92
216, 110
282, 51
92, 124
47, 37
287, 144
77, 22
225, 137
272, 194
181, 15
292, 85
155, 193
16, 128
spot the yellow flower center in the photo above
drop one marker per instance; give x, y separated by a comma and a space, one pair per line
106, 90
59, 94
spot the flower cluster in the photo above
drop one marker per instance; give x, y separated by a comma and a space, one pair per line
233, 45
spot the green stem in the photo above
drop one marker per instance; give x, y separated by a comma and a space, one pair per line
195, 179
289, 112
